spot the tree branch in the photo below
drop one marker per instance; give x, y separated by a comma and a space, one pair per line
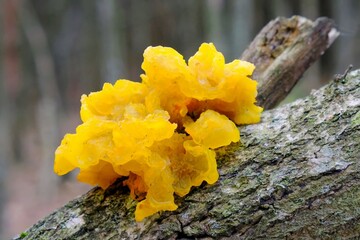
295, 175
282, 52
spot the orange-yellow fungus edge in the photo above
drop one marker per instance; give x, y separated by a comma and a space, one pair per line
161, 133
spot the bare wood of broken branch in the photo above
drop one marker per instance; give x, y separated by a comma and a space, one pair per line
282, 52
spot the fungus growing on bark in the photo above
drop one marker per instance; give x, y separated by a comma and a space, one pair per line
161, 133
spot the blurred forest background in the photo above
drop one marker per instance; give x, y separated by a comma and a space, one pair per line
55, 50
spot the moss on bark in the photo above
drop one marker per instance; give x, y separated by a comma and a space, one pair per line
295, 175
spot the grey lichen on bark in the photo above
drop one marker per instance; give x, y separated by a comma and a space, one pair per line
294, 175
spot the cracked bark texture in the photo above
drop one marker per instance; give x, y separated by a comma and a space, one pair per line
294, 175
283, 50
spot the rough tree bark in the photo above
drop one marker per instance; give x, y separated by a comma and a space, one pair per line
294, 175
283, 50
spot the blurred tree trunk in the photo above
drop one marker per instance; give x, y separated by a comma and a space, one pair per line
48, 111
348, 50
9, 88
295, 175
86, 38
310, 9
242, 25
111, 43
137, 31
215, 29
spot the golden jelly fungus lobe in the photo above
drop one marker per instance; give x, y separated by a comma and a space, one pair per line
223, 131
160, 134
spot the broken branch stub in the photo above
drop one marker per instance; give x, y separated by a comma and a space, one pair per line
282, 52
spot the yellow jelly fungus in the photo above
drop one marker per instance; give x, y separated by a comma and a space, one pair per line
223, 131
161, 133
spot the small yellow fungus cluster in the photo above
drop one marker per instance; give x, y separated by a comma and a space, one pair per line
161, 133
